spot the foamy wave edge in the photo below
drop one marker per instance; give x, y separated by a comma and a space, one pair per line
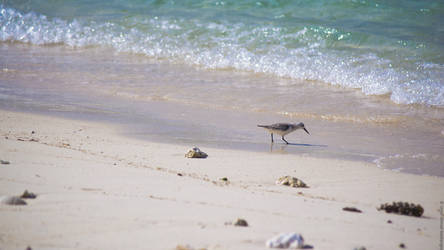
370, 74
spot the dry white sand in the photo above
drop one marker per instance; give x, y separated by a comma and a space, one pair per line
100, 190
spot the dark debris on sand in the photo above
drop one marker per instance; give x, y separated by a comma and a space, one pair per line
352, 209
403, 208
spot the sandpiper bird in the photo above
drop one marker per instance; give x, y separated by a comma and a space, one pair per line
283, 129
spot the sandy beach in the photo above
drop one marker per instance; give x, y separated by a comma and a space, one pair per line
98, 189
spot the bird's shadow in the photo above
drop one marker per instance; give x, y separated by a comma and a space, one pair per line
306, 145
283, 146
307, 247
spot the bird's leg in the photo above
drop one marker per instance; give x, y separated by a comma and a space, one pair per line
284, 140
272, 138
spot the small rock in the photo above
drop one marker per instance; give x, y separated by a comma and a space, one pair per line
28, 195
403, 208
224, 179
360, 248
196, 153
179, 174
182, 247
401, 245
286, 240
13, 200
352, 209
241, 223
291, 181
389, 222
4, 162
188, 247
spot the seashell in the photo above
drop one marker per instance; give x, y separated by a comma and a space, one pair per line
403, 208
286, 240
196, 153
241, 223
291, 181
12, 200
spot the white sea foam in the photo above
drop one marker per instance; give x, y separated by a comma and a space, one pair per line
302, 53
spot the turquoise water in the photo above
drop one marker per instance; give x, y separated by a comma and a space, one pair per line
381, 48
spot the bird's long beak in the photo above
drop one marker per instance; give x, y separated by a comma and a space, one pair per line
306, 130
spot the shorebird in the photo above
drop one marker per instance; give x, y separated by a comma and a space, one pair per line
283, 129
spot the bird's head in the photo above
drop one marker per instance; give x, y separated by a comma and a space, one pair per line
302, 126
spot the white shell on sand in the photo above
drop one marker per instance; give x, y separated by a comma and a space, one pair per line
12, 200
286, 240
196, 153
291, 181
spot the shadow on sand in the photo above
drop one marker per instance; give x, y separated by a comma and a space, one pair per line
282, 147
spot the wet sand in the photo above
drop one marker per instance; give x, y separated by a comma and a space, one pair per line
99, 188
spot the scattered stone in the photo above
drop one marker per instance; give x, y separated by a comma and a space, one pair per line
224, 179
4, 162
352, 209
179, 174
32, 132
196, 153
13, 200
286, 240
28, 195
241, 223
28, 248
360, 248
188, 247
291, 181
403, 208
182, 247
389, 222
401, 245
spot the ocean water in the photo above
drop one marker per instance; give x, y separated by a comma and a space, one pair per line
366, 77
379, 47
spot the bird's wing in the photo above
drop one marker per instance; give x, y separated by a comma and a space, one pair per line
280, 126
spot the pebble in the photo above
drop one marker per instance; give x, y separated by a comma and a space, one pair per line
12, 200
4, 162
352, 209
241, 223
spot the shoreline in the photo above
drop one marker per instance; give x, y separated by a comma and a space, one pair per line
99, 188
218, 108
